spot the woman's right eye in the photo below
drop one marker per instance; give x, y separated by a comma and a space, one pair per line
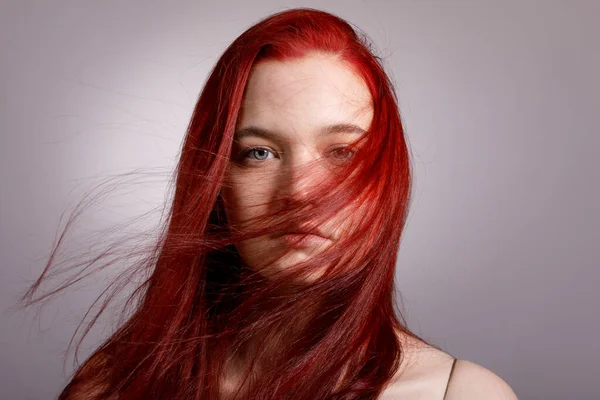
256, 154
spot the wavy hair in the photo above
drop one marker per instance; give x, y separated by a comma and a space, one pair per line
332, 338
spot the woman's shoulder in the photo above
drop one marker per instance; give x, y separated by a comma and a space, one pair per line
473, 381
422, 374
427, 372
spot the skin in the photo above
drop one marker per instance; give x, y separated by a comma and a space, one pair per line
295, 101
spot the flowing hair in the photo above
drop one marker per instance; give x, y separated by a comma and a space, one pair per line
335, 337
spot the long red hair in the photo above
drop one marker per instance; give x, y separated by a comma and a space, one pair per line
200, 301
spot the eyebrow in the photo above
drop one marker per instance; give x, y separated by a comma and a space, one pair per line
326, 130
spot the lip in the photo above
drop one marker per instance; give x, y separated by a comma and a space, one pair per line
303, 239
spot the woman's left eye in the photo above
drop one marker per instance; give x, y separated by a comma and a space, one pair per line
343, 153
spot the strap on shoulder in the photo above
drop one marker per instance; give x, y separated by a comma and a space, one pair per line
450, 377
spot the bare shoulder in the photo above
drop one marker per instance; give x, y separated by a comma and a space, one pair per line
427, 372
423, 373
473, 381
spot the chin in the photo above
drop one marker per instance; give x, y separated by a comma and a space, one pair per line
289, 260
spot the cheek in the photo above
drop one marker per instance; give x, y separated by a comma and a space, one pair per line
349, 219
246, 196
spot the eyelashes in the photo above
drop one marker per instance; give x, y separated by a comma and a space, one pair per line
343, 153
260, 154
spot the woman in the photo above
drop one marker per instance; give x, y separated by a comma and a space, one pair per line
274, 276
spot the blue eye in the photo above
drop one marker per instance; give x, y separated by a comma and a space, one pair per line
256, 153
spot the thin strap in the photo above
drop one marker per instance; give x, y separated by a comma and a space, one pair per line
449, 377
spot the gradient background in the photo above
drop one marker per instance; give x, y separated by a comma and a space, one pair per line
500, 100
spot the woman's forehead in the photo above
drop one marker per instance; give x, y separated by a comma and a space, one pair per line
305, 94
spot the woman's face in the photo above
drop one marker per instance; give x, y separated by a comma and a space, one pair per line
294, 114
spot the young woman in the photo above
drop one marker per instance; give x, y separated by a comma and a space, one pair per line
274, 276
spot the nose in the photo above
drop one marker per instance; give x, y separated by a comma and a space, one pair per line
300, 175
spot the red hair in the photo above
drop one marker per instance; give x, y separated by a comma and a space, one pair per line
200, 301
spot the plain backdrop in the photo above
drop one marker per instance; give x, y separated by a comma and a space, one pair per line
500, 101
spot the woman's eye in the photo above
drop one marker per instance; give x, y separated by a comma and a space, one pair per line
256, 154
343, 153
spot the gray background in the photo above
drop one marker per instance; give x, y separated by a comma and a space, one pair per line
500, 101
